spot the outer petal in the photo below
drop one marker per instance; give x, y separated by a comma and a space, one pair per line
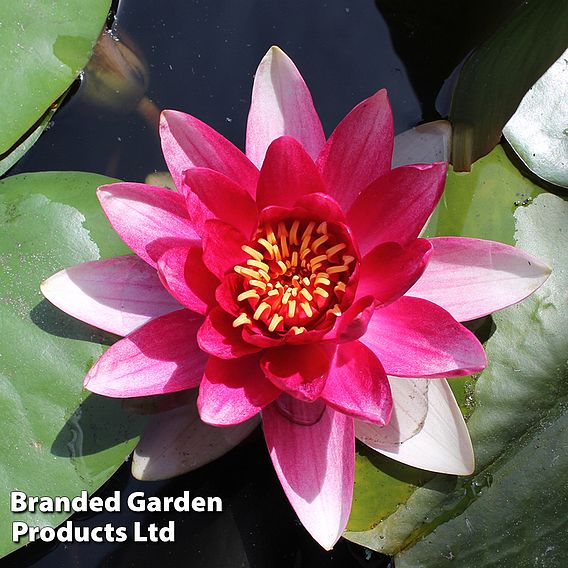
287, 174
435, 440
389, 270
148, 219
471, 278
315, 466
396, 206
118, 294
357, 384
359, 149
211, 195
160, 357
218, 337
415, 338
281, 105
187, 279
222, 247
233, 391
299, 370
178, 441
189, 143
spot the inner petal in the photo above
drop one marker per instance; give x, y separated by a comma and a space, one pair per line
296, 275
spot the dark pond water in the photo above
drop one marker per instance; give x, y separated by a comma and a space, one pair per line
201, 58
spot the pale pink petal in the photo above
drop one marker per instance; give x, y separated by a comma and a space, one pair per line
389, 270
187, 279
429, 434
160, 357
300, 370
287, 174
222, 247
315, 465
357, 384
359, 150
281, 105
395, 207
212, 195
427, 143
178, 441
189, 143
233, 391
471, 278
148, 219
218, 337
415, 338
117, 294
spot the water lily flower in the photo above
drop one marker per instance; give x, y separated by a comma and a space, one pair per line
291, 281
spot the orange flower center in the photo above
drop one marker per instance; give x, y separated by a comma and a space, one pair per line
296, 275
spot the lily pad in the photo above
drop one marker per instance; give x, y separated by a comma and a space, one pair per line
517, 407
499, 72
56, 439
538, 131
43, 47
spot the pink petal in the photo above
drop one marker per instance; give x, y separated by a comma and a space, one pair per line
357, 384
187, 279
321, 206
281, 106
353, 323
117, 294
415, 338
233, 391
218, 337
315, 465
359, 150
222, 247
178, 441
432, 437
160, 357
300, 370
471, 278
227, 293
396, 206
389, 270
287, 174
148, 219
212, 195
189, 143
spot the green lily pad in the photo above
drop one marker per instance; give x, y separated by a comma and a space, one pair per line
499, 72
44, 44
517, 408
57, 440
538, 131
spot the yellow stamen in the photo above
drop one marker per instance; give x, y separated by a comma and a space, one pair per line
270, 234
253, 252
340, 287
322, 280
336, 269
273, 293
291, 308
258, 264
308, 230
297, 330
322, 228
267, 246
306, 281
307, 309
258, 284
348, 259
241, 320
335, 310
332, 250
246, 271
276, 319
294, 258
286, 296
263, 274
248, 294
284, 246
263, 306
321, 292
282, 231
282, 267
306, 294
294, 232
318, 260
318, 242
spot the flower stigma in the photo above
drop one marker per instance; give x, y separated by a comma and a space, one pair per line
296, 275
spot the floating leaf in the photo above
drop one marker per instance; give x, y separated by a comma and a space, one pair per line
538, 131
497, 75
43, 46
56, 440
